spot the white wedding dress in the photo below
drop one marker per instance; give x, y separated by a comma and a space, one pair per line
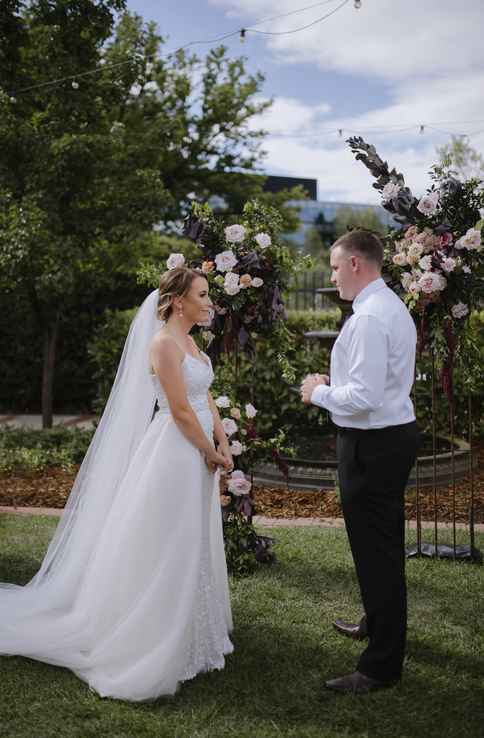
142, 603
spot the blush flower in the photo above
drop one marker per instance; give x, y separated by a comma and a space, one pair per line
449, 264
238, 484
232, 284
207, 267
471, 240
174, 261
229, 426
428, 204
235, 413
235, 233
222, 401
236, 448
390, 191
250, 410
263, 240
431, 282
406, 280
400, 259
460, 310
425, 263
245, 281
415, 251
225, 261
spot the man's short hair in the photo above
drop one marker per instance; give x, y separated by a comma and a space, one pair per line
363, 243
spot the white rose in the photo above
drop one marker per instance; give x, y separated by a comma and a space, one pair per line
222, 401
471, 240
467, 270
406, 280
442, 282
225, 261
428, 204
232, 284
415, 251
425, 263
175, 260
229, 426
236, 448
235, 233
263, 240
459, 310
430, 282
400, 259
414, 287
390, 191
250, 410
238, 484
449, 264
257, 282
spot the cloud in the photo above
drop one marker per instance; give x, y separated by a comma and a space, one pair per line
427, 59
389, 40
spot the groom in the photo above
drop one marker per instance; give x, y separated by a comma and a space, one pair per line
368, 396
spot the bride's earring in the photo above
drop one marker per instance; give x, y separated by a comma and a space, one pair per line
180, 312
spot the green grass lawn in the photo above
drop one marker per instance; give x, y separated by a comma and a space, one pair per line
284, 649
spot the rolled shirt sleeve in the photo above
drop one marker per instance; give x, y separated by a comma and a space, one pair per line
367, 361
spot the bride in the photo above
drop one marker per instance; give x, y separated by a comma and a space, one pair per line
132, 595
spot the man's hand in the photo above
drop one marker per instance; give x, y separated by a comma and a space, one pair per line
309, 384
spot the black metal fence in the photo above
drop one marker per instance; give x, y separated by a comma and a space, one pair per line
302, 293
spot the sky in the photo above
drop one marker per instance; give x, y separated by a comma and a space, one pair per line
380, 71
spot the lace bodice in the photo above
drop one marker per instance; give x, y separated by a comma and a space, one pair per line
198, 374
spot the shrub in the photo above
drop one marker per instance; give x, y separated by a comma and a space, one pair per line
34, 450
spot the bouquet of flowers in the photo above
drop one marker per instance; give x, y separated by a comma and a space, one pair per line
435, 261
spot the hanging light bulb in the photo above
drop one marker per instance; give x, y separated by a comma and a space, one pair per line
243, 34
357, 4
75, 85
340, 132
422, 129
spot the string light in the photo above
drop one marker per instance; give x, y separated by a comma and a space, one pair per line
241, 32
357, 4
422, 129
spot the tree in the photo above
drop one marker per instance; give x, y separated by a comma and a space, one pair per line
90, 164
466, 161
348, 218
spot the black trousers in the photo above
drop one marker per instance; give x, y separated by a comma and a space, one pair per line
373, 467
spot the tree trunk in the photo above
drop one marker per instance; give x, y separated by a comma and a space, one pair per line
49, 348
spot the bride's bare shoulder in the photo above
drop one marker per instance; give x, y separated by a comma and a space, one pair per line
165, 346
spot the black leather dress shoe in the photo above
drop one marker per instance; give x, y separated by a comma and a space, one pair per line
356, 683
357, 631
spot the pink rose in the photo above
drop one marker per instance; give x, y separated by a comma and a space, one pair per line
238, 484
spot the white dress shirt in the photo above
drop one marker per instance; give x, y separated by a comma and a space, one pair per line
372, 363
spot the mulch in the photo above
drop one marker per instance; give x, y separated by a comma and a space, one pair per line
51, 488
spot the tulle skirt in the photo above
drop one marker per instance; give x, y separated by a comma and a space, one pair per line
145, 605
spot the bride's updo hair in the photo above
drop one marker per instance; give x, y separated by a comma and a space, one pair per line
174, 283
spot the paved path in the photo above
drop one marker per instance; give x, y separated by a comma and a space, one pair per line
261, 520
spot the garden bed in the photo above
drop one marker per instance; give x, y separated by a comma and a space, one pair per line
51, 487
